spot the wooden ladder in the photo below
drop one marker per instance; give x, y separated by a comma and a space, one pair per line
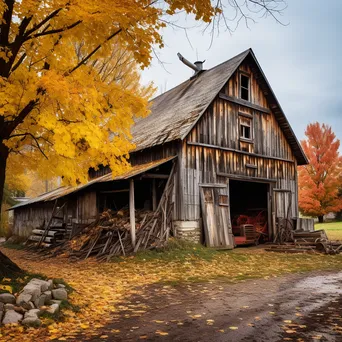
55, 211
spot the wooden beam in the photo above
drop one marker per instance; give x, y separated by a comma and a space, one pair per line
212, 185
113, 191
154, 195
244, 103
132, 210
246, 178
155, 176
238, 151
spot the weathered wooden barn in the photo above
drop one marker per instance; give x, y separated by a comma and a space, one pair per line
233, 150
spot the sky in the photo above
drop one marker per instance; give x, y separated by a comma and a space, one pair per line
302, 60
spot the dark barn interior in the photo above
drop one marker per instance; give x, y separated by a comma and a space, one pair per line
249, 211
148, 190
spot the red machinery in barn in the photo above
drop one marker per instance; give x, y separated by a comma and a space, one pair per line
250, 229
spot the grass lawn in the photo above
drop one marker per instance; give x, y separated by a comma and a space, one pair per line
333, 229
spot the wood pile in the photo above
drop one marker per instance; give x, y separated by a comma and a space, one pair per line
110, 235
308, 242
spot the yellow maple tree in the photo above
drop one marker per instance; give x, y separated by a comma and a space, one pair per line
62, 108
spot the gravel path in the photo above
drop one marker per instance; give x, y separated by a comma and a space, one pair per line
305, 307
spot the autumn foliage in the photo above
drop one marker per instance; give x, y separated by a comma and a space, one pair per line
69, 78
321, 179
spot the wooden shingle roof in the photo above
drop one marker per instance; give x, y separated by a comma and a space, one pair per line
175, 112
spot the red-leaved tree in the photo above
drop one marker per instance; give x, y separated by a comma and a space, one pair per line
321, 179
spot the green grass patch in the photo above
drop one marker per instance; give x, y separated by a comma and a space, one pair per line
16, 246
175, 250
19, 282
333, 229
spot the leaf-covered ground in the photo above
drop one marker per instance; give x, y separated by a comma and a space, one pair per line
99, 287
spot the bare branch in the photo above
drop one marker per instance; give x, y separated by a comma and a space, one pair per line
24, 135
21, 59
54, 31
42, 23
85, 59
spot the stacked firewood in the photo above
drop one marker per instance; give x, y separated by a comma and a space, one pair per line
308, 242
110, 235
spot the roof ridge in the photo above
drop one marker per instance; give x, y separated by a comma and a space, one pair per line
203, 72
230, 59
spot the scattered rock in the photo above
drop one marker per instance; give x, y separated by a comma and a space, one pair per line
12, 317
50, 282
48, 297
40, 301
31, 302
24, 298
7, 298
9, 307
32, 321
52, 309
32, 313
32, 289
44, 285
60, 294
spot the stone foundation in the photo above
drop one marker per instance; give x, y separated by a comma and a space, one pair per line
189, 230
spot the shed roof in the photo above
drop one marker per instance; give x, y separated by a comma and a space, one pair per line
175, 112
67, 190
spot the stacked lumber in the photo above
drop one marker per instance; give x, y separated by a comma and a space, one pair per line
308, 242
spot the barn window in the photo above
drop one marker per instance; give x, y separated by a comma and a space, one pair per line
244, 87
245, 128
245, 132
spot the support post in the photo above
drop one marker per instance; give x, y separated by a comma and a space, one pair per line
132, 210
154, 195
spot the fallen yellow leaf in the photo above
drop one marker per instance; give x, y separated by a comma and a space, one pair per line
162, 333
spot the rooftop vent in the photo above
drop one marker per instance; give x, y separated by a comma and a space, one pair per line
197, 66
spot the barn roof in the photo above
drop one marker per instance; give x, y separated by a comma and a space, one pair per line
175, 112
67, 190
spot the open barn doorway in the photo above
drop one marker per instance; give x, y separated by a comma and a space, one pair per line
249, 211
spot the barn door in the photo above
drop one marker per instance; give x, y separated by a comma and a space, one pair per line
216, 216
283, 203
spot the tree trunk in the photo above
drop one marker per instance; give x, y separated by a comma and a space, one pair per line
320, 219
8, 268
3, 161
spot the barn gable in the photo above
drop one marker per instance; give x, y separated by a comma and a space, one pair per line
176, 112
220, 125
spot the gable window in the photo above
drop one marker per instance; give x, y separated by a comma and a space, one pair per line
244, 87
245, 123
245, 132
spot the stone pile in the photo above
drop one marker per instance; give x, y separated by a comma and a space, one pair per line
36, 297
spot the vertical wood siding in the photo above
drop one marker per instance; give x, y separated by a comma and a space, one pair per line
271, 157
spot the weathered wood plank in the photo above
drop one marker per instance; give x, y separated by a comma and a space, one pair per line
244, 103
132, 210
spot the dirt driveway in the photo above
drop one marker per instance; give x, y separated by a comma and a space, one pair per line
290, 308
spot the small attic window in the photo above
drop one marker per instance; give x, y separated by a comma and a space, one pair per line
244, 87
245, 132
246, 125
